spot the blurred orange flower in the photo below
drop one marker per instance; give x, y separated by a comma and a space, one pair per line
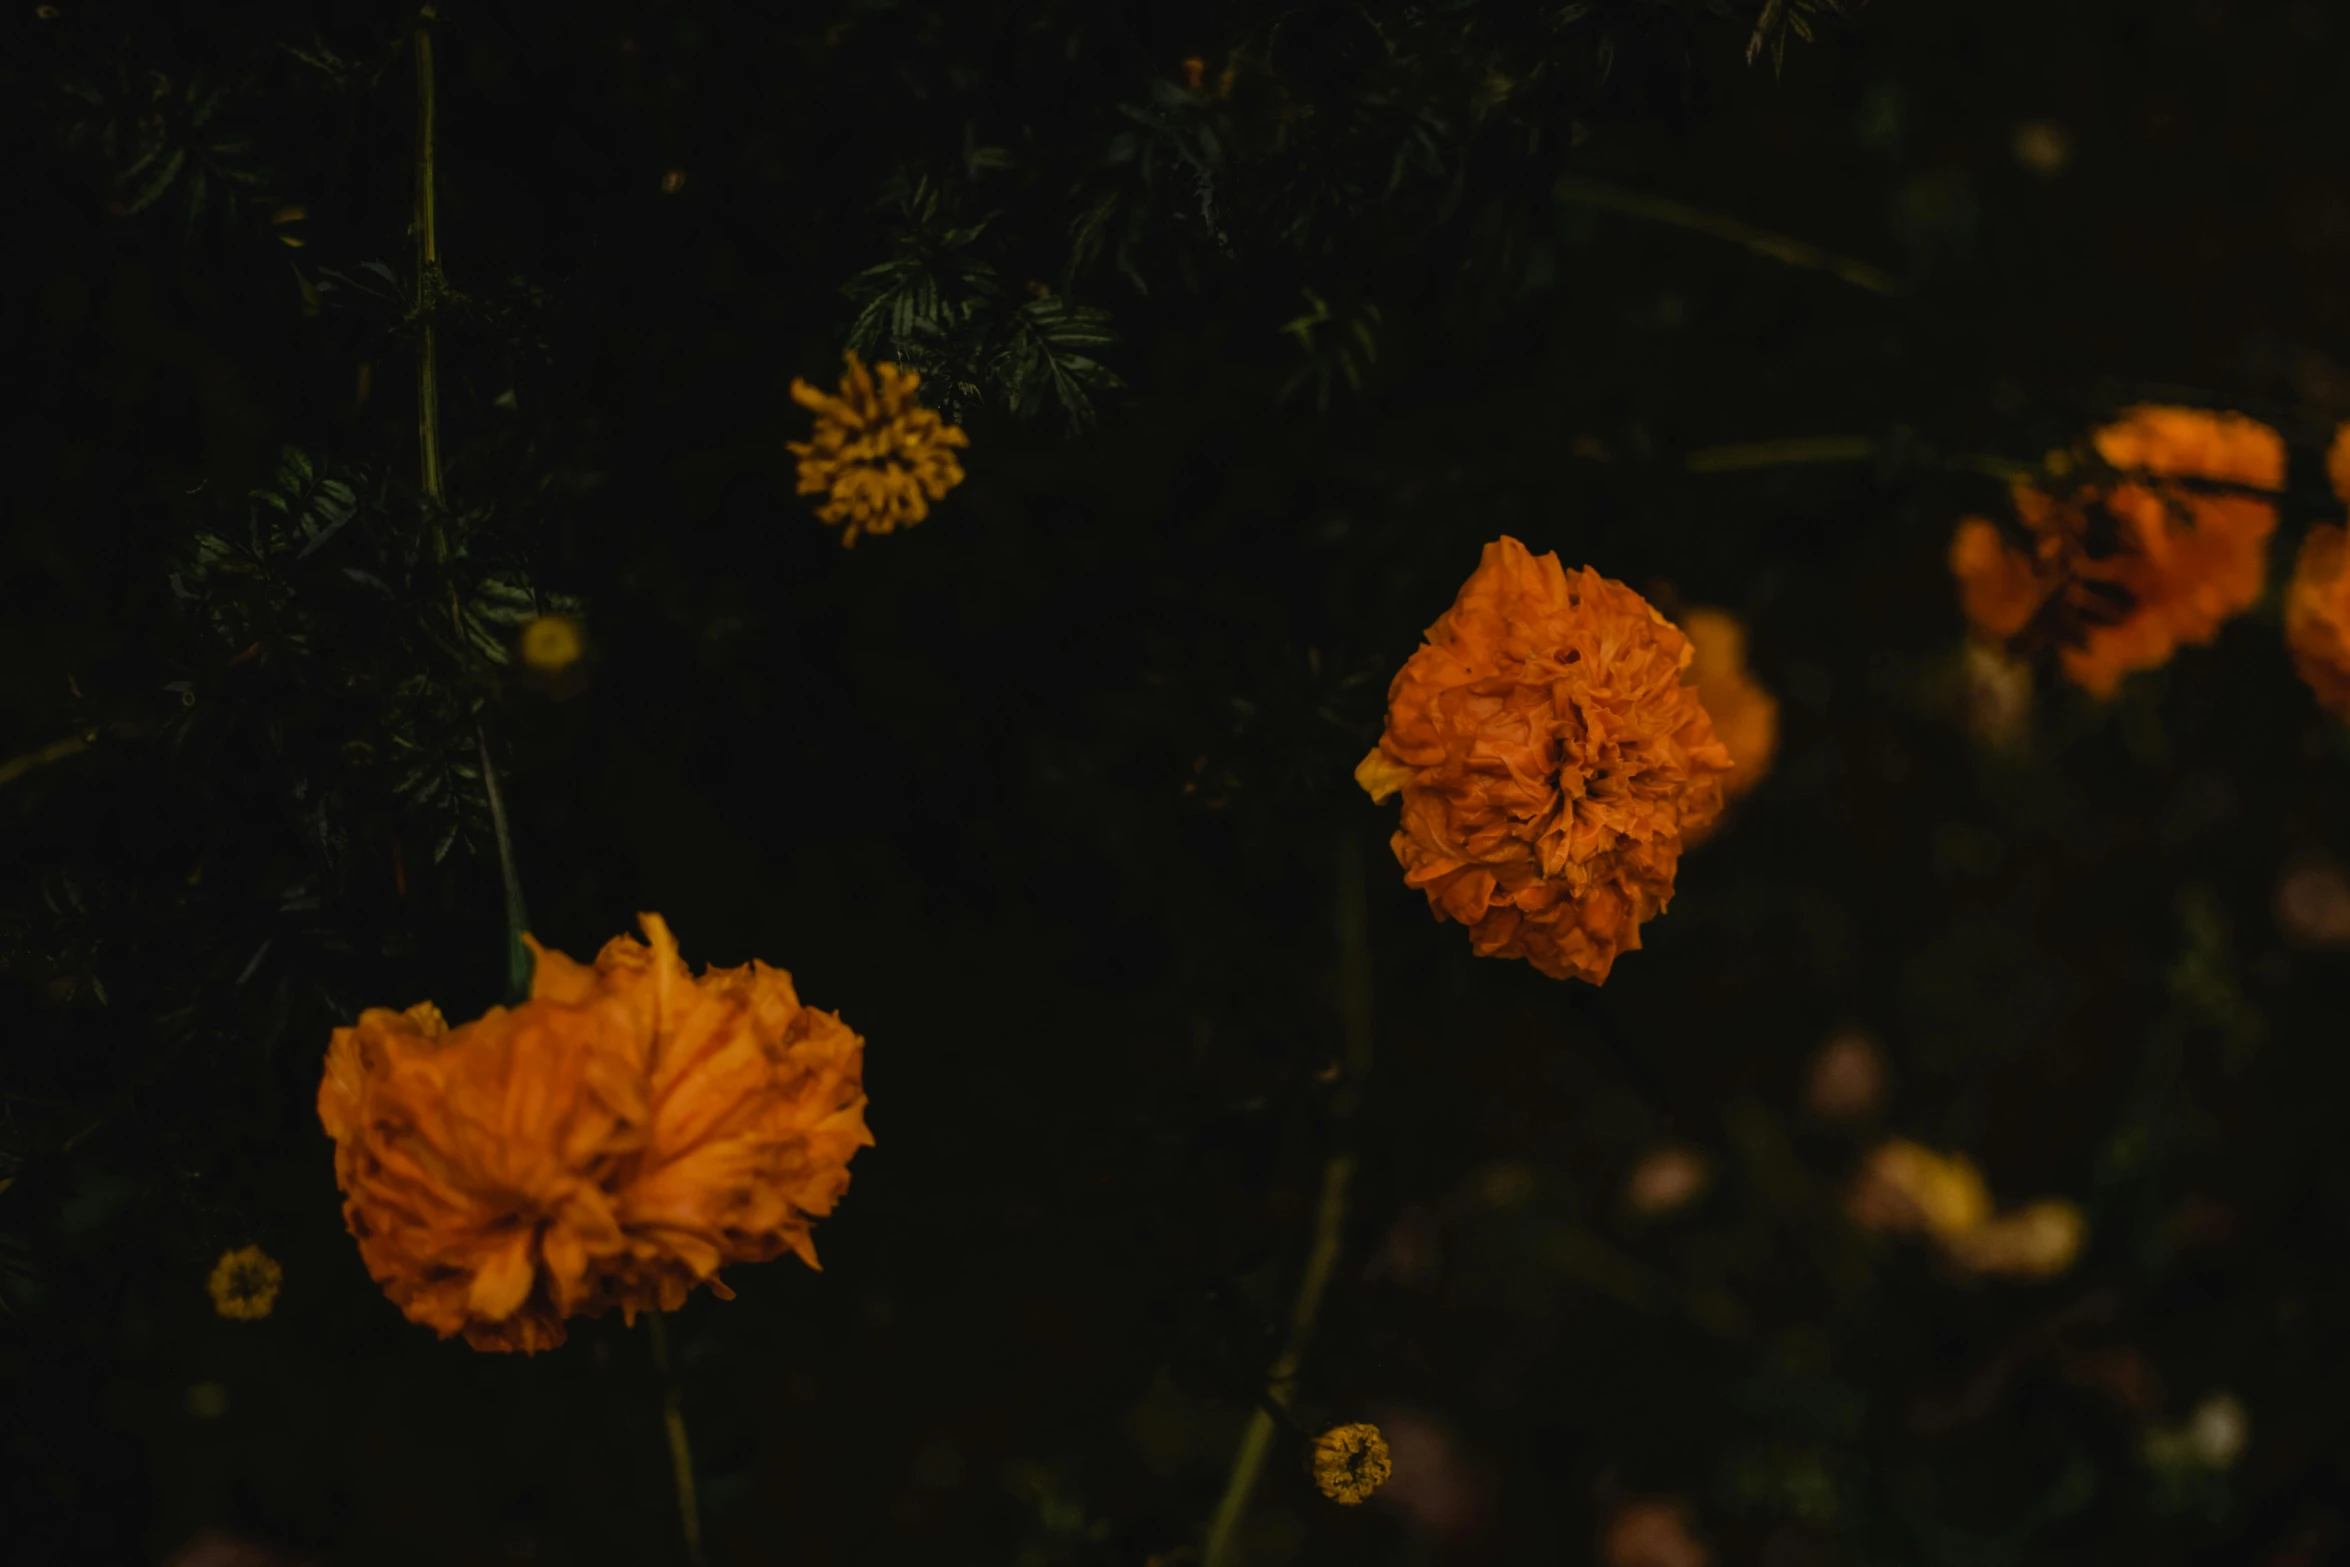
1745, 716
613, 1141
1667, 1178
2037, 1241
877, 455
1907, 1187
2317, 617
1551, 762
1652, 1534
2133, 567
1847, 1078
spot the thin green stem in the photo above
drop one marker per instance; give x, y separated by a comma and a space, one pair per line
681, 1453
1272, 1413
428, 270
518, 958
1680, 214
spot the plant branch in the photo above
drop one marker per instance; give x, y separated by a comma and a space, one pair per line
1680, 214
518, 959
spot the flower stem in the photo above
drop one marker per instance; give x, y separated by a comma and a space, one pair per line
1355, 997
428, 271
518, 959
681, 1453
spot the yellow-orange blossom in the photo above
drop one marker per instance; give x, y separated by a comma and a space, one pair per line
2181, 561
877, 456
2317, 600
1551, 761
612, 1142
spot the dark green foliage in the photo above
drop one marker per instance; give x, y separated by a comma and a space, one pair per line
159, 138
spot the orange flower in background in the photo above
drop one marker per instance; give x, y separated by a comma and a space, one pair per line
877, 455
613, 1141
2317, 617
2137, 566
2037, 1241
1904, 1187
1550, 762
1745, 716
1652, 1534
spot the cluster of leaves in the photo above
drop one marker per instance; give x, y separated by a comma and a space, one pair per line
939, 307
1335, 135
158, 137
374, 624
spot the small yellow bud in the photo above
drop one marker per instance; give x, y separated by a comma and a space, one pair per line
1350, 1462
245, 1283
551, 644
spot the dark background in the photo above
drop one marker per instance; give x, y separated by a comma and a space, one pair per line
1047, 796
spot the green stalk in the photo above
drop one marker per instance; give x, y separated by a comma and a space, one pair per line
518, 959
428, 270
681, 1453
1273, 1411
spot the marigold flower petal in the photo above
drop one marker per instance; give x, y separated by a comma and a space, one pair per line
1551, 761
612, 1142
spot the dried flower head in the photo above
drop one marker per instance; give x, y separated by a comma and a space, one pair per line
877, 455
1551, 761
2037, 1241
1905, 1187
1350, 1462
2120, 573
613, 1141
245, 1283
1745, 716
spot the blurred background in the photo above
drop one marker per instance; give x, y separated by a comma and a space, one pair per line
1261, 323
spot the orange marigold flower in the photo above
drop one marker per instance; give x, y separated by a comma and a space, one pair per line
244, 1284
877, 455
1745, 716
2317, 616
1551, 762
2135, 566
613, 1141
1350, 1462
